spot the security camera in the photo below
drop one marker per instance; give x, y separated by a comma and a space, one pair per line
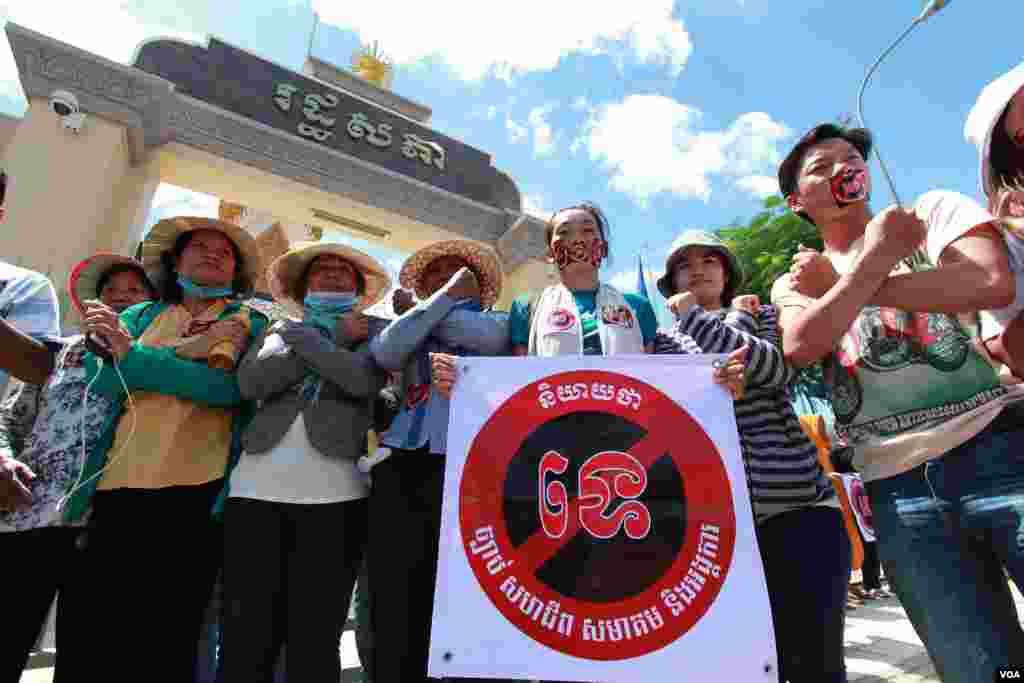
65, 105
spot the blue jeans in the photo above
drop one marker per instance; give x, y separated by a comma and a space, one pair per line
806, 558
946, 532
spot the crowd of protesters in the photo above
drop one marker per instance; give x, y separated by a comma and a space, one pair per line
183, 436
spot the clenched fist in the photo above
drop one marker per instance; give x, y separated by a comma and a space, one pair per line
895, 233
748, 303
812, 274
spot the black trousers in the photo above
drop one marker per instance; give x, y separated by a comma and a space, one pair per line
871, 568
807, 591
150, 560
405, 529
405, 526
40, 564
289, 570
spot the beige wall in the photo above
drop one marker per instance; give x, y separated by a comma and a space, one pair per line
290, 201
7, 126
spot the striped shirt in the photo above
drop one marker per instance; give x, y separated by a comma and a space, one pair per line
781, 462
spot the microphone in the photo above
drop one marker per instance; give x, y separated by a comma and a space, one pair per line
99, 346
930, 9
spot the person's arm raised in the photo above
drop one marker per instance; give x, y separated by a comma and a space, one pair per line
811, 330
973, 275
392, 348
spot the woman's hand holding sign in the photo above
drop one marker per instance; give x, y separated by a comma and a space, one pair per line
731, 373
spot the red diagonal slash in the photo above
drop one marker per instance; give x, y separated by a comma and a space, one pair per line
539, 547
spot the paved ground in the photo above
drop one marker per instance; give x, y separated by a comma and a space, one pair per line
881, 646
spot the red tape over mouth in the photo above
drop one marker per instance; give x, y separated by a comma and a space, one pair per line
850, 186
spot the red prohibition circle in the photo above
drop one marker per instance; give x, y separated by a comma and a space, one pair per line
637, 624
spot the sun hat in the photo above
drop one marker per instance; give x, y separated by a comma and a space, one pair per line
697, 238
286, 270
480, 258
163, 235
85, 277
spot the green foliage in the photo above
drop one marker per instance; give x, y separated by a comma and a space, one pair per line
765, 245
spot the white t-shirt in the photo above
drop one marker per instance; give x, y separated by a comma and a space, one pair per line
908, 387
993, 323
294, 471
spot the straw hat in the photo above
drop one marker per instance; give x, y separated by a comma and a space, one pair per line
85, 277
697, 238
481, 259
285, 271
165, 233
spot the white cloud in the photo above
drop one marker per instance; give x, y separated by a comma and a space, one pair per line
669, 152
581, 103
533, 37
537, 128
625, 280
759, 185
516, 132
537, 206
544, 139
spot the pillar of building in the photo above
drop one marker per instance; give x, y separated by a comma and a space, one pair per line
71, 194
522, 251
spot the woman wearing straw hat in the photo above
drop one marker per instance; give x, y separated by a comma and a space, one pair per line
41, 438
153, 550
457, 281
296, 522
794, 503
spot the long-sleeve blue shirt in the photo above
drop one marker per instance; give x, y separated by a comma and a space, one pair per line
437, 325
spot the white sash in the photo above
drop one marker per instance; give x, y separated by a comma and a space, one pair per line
556, 328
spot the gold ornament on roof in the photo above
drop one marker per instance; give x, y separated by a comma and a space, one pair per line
314, 232
230, 212
372, 65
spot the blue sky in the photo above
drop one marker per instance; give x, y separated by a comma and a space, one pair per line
668, 115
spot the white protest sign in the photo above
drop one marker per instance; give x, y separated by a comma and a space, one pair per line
597, 526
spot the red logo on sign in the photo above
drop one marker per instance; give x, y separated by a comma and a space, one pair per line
596, 495
617, 315
596, 512
560, 320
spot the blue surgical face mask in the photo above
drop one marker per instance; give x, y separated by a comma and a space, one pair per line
328, 303
322, 309
191, 289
